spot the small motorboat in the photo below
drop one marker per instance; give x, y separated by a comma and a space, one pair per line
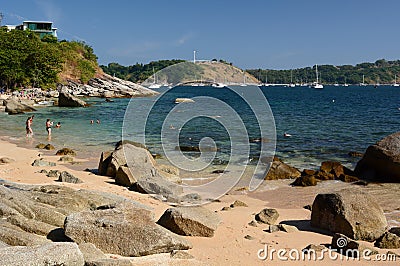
44, 103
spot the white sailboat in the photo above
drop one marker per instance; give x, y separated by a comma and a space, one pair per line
395, 82
154, 85
363, 82
244, 80
345, 83
316, 85
291, 85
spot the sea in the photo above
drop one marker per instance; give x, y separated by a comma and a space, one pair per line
320, 124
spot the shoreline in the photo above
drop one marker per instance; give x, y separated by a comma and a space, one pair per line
229, 244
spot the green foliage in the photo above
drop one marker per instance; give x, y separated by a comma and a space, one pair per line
381, 71
49, 39
87, 70
27, 61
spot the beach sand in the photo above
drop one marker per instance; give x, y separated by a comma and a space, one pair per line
228, 246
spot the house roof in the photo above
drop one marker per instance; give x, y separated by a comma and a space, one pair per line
33, 21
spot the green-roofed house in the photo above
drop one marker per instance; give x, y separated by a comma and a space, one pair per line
42, 28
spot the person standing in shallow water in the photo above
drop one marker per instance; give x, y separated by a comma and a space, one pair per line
28, 126
48, 126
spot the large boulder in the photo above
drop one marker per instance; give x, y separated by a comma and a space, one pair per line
280, 170
381, 162
67, 100
351, 212
127, 230
190, 221
132, 165
13, 107
138, 159
34, 215
67, 254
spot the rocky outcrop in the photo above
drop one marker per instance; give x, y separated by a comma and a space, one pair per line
66, 151
158, 185
69, 178
67, 254
190, 221
381, 162
68, 100
351, 212
13, 106
33, 215
126, 230
267, 216
132, 165
184, 100
280, 170
41, 162
124, 177
388, 240
329, 170
107, 86
305, 180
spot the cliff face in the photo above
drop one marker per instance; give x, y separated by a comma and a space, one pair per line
106, 86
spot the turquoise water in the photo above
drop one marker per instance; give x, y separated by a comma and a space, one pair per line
324, 124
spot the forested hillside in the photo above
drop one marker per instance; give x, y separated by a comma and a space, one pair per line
381, 71
28, 61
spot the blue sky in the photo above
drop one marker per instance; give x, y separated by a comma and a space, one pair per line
273, 34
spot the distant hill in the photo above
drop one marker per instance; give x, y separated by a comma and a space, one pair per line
382, 72
182, 71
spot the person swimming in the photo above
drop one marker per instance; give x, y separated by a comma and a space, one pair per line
286, 135
58, 125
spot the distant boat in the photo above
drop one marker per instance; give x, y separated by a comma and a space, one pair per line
291, 85
316, 85
244, 80
363, 82
395, 82
218, 85
44, 103
286, 135
345, 83
154, 85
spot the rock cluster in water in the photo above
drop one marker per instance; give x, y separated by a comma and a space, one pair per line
107, 87
381, 161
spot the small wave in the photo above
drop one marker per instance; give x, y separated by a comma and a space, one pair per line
196, 178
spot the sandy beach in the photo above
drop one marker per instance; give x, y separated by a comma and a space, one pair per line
235, 241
